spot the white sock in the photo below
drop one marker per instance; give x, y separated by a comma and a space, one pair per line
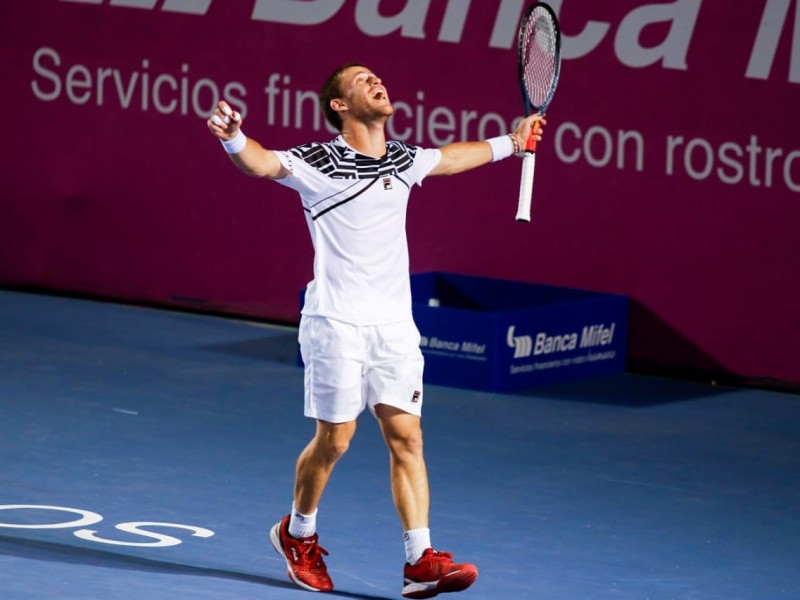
301, 525
416, 542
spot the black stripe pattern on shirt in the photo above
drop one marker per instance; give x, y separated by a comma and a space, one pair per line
338, 161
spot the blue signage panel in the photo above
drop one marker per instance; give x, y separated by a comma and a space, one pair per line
496, 335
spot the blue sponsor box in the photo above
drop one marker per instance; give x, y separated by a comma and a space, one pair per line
497, 335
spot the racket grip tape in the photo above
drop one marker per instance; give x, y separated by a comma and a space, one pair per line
530, 144
526, 188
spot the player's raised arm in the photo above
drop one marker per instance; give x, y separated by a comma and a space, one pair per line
247, 154
463, 156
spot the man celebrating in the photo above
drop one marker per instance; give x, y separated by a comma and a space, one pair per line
358, 341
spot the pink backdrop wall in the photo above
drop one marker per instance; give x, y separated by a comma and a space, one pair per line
670, 171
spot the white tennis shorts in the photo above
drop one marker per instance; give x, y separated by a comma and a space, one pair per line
349, 368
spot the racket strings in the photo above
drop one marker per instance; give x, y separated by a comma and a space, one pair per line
540, 50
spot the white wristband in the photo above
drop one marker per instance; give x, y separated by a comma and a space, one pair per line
235, 145
502, 147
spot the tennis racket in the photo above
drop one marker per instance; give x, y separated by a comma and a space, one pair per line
538, 63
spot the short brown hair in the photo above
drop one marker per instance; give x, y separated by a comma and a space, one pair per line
332, 89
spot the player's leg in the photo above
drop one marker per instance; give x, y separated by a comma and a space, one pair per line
295, 537
316, 462
409, 476
332, 356
333, 396
394, 394
427, 572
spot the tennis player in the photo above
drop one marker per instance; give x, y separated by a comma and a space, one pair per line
359, 344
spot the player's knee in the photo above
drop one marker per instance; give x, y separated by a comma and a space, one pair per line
333, 446
333, 440
335, 449
407, 443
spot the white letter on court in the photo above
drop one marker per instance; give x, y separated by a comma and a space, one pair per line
87, 517
162, 540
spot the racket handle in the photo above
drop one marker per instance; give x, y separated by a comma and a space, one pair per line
530, 144
526, 188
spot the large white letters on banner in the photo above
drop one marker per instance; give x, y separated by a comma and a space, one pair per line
302, 12
193, 7
672, 51
410, 22
766, 45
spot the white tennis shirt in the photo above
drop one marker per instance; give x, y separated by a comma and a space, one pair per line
355, 207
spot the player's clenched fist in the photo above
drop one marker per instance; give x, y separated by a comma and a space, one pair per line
225, 122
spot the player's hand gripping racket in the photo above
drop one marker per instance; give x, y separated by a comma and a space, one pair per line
539, 60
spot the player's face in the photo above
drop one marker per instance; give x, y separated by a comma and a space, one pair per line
365, 94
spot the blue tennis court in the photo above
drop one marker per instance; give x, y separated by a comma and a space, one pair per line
145, 453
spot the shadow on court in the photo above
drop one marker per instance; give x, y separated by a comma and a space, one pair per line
280, 348
64, 553
628, 391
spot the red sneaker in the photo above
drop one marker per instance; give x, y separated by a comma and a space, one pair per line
436, 573
303, 558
